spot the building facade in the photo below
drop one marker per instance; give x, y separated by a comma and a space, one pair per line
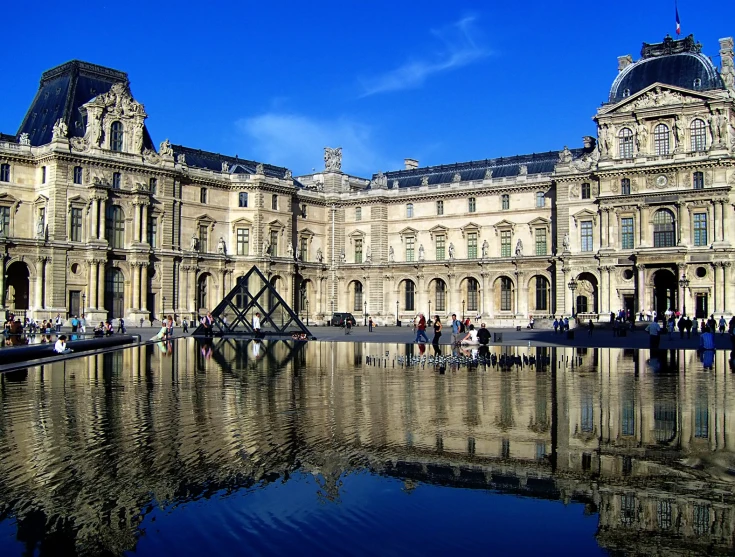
94, 219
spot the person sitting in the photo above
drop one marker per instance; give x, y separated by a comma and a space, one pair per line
109, 329
471, 337
483, 335
100, 330
60, 346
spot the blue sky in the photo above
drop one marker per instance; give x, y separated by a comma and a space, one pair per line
442, 82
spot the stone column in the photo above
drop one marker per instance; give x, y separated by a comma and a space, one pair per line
94, 221
144, 287
725, 267
102, 217
101, 286
144, 218
92, 284
715, 287
716, 221
484, 294
490, 297
727, 292
681, 269
726, 214
40, 279
191, 289
605, 236
604, 290
2, 281
136, 223
641, 287
643, 214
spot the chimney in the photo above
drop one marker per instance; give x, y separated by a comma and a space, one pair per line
411, 164
728, 67
624, 62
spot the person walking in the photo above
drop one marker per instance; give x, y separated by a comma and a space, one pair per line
83, 324
654, 332
57, 322
121, 325
682, 325
722, 324
256, 324
185, 325
556, 325
456, 330
590, 327
74, 324
370, 325
437, 332
421, 329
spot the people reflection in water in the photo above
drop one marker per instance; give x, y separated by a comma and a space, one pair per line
422, 348
256, 349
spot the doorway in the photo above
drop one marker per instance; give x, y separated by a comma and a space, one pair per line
702, 306
18, 286
74, 305
629, 304
115, 293
664, 291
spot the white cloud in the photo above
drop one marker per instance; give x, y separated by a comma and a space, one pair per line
297, 142
459, 49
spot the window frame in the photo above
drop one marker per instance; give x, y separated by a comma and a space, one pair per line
541, 242
440, 295
662, 140
440, 207
540, 199
358, 250
698, 180
586, 236
664, 238
699, 229
153, 185
506, 294
472, 241
5, 172
440, 247
5, 212
152, 232
274, 202
698, 135
505, 202
117, 134
586, 190
627, 235
203, 236
542, 293
203, 196
473, 294
471, 204
625, 186
506, 242
409, 210
242, 241
76, 222
410, 248
358, 290
242, 199
116, 181
304, 248
625, 143
115, 228
409, 296
358, 214
78, 175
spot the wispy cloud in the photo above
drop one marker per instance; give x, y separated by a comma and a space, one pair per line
298, 141
458, 48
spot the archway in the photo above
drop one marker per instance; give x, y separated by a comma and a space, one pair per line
355, 297
407, 295
470, 289
438, 296
276, 284
114, 293
202, 297
504, 290
664, 291
539, 295
17, 286
586, 294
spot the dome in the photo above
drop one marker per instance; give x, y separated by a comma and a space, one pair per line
672, 62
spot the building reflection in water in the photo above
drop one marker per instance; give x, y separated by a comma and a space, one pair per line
88, 445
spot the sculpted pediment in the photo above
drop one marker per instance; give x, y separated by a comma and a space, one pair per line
658, 95
438, 230
539, 222
585, 214
503, 225
408, 231
241, 222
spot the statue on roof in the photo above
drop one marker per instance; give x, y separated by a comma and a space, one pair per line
288, 175
425, 181
333, 159
523, 170
165, 149
181, 159
259, 169
225, 167
457, 177
565, 157
138, 137
489, 174
24, 139
59, 130
380, 181
604, 134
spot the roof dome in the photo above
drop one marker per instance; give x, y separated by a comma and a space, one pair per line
673, 62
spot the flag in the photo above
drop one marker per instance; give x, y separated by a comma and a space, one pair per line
678, 23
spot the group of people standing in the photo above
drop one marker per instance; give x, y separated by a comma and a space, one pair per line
463, 332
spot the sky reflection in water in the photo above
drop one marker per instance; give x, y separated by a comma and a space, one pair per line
309, 448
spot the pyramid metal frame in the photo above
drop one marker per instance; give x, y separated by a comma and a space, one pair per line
252, 301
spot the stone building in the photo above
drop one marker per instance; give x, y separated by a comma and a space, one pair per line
93, 218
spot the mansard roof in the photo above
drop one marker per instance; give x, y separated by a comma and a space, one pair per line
671, 62
62, 91
196, 158
536, 163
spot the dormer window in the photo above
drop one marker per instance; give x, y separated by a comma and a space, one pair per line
626, 93
697, 83
116, 136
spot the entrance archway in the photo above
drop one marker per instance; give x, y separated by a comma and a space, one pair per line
18, 286
115, 292
664, 291
587, 294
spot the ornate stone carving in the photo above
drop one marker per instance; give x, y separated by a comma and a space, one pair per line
605, 139
522, 170
451, 250
380, 181
574, 191
485, 248
221, 246
60, 129
457, 177
425, 181
565, 156
181, 159
288, 175
395, 184
566, 243
260, 169
391, 255
641, 137
24, 139
319, 255
194, 243
151, 157
659, 97
519, 248
225, 167
368, 254
333, 159
165, 149
589, 160
289, 250
489, 174
421, 252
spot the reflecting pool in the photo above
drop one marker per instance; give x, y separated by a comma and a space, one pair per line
234, 447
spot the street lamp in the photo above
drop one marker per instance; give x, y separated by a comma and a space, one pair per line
364, 313
429, 316
397, 323
573, 286
462, 311
307, 312
684, 283
84, 299
163, 309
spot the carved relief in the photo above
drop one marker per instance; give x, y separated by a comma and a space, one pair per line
658, 97
574, 191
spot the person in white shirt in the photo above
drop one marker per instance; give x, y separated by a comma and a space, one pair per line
60, 346
471, 337
256, 324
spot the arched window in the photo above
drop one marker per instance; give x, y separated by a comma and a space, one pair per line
114, 292
409, 210
542, 296
473, 288
116, 136
302, 295
699, 136
505, 201
625, 186
115, 226
410, 296
625, 143
661, 139
664, 232
202, 292
243, 199
358, 297
441, 295
506, 294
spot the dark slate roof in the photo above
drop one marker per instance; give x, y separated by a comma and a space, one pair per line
62, 91
537, 163
197, 158
672, 62
8, 138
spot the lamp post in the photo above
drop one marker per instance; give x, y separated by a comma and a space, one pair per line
429, 316
573, 286
397, 324
163, 309
307, 312
364, 313
684, 283
84, 300
462, 311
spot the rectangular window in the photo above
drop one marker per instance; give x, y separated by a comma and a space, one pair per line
628, 421
472, 245
586, 191
203, 195
505, 201
586, 235
409, 210
471, 204
698, 180
505, 243
203, 238
152, 231
625, 186
358, 250
626, 233
274, 243
541, 241
439, 207
274, 202
153, 186
358, 213
4, 172
43, 174
410, 243
5, 221
116, 180
540, 199
440, 247
303, 211
76, 225
77, 174
700, 229
242, 199
304, 249
243, 241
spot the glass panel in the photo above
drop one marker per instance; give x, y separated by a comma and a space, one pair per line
76, 225
410, 242
700, 229
586, 235
506, 289
505, 243
152, 231
358, 213
699, 136
439, 207
5, 221
243, 241
243, 199
506, 201
441, 296
358, 297
661, 139
472, 245
626, 143
473, 289
116, 139
471, 204
698, 180
663, 229
358, 250
542, 288
625, 186
410, 295
274, 243
440, 243
203, 237
541, 241
77, 175
626, 236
